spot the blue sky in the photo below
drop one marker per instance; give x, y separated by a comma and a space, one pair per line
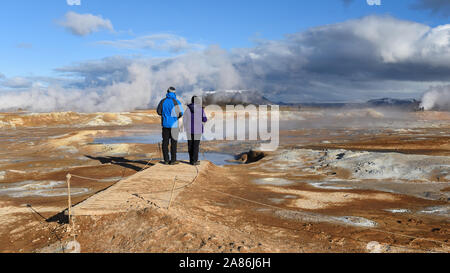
290, 50
230, 24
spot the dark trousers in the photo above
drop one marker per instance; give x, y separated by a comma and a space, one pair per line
169, 135
193, 148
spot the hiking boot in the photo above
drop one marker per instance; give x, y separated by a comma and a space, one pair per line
174, 163
165, 162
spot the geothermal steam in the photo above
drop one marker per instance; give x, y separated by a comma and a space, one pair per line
338, 62
437, 98
145, 84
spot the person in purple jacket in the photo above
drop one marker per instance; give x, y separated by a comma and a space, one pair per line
193, 122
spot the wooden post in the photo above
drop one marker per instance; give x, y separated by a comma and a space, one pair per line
171, 195
69, 199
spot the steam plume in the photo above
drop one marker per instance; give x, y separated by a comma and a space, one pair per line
437, 98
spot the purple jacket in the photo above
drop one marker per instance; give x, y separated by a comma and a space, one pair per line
194, 119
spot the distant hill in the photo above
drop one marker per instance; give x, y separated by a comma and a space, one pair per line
411, 104
393, 102
243, 97
235, 97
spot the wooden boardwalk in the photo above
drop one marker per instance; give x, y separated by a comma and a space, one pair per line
150, 187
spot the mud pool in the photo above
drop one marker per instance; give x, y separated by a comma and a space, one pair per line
328, 177
218, 159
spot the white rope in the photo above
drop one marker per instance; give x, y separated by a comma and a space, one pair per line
87, 178
280, 208
318, 217
106, 179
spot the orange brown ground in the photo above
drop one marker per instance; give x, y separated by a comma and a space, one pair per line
205, 217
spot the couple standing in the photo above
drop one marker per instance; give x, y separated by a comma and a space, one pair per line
171, 110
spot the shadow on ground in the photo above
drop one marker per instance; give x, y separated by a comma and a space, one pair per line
123, 162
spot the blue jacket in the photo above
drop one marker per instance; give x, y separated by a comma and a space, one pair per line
170, 110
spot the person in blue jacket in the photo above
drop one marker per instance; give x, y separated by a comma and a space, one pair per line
170, 110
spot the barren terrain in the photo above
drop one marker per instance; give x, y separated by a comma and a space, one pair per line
341, 181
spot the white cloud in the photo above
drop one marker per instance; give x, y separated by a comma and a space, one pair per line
143, 83
74, 2
361, 59
161, 42
85, 24
16, 82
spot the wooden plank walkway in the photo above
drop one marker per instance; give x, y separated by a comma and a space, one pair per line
150, 187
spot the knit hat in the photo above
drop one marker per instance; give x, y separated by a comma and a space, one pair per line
171, 90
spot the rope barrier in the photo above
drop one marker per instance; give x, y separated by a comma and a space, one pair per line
88, 178
71, 229
71, 217
308, 231
103, 179
46, 225
314, 216
171, 194
278, 208
318, 217
321, 233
